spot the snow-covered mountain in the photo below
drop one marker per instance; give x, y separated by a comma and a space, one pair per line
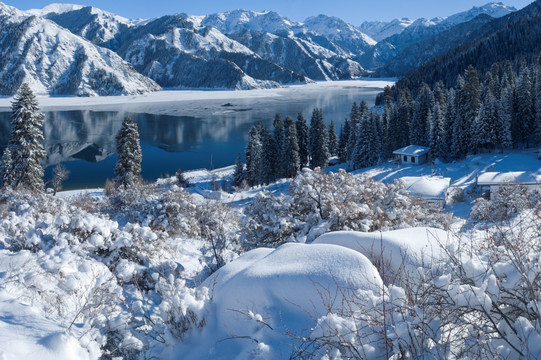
53, 60
345, 35
177, 54
239, 49
379, 30
321, 48
237, 20
494, 9
421, 31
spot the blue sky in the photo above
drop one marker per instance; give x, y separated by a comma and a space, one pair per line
353, 11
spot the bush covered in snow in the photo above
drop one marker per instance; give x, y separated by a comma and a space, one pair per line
119, 274
506, 201
319, 202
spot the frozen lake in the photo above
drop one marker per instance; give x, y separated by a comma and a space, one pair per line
178, 129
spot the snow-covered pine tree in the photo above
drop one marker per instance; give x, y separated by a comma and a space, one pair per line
26, 142
400, 126
280, 162
502, 128
438, 147
6, 173
319, 151
303, 140
419, 126
333, 140
537, 103
469, 104
377, 130
343, 140
387, 142
269, 157
523, 122
366, 151
461, 139
291, 149
355, 119
254, 152
130, 156
240, 174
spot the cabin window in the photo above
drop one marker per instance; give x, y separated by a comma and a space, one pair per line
405, 158
413, 159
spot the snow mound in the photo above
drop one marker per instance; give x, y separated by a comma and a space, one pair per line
26, 334
399, 250
270, 294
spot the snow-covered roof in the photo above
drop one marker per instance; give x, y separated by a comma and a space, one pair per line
428, 187
513, 177
412, 150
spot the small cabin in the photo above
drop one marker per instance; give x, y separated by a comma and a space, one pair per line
433, 189
489, 182
412, 154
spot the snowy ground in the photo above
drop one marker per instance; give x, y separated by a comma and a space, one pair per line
77, 274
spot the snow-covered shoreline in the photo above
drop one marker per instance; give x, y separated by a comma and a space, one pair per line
167, 96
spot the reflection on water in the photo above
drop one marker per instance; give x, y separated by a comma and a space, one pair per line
84, 140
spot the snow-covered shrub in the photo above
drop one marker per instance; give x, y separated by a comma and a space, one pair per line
483, 302
319, 202
505, 202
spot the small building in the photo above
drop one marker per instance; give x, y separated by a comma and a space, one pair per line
489, 182
412, 154
433, 189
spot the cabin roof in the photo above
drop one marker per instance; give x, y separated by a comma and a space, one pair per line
513, 177
428, 187
412, 150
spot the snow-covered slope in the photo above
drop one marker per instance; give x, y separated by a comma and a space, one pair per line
379, 30
53, 60
93, 24
421, 31
172, 51
237, 20
340, 33
494, 9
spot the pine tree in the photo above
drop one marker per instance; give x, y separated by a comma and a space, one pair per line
319, 151
355, 119
461, 127
280, 162
420, 126
400, 125
537, 103
333, 140
26, 142
525, 105
438, 147
128, 149
365, 153
468, 106
239, 175
269, 157
291, 149
254, 152
303, 140
343, 140
6, 172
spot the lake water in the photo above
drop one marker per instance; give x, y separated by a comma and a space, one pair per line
187, 134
